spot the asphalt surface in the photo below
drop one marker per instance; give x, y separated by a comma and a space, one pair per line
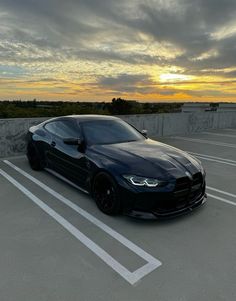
56, 244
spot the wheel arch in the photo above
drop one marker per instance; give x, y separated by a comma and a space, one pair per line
96, 173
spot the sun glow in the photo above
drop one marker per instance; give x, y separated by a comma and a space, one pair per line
169, 77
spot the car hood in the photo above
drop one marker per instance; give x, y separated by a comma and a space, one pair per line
150, 158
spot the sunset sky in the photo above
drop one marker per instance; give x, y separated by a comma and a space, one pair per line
94, 50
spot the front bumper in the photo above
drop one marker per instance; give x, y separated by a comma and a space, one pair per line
152, 214
173, 200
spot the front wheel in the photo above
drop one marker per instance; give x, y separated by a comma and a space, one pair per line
34, 157
105, 193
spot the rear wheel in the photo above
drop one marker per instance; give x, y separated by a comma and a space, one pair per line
106, 195
34, 157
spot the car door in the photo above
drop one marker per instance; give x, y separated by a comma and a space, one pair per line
63, 158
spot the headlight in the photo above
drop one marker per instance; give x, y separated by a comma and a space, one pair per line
141, 181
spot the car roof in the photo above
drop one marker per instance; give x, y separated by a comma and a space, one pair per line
89, 117
77, 118
84, 117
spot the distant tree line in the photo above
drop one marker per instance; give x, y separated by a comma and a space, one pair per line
118, 106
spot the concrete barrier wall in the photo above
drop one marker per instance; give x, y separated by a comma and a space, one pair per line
13, 131
12, 135
182, 123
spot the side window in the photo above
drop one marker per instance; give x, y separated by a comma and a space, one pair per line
51, 127
63, 129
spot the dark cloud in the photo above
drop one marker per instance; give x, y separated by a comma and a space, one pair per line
78, 28
124, 79
191, 26
132, 83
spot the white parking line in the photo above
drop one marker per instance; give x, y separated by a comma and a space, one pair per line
152, 262
222, 191
218, 134
230, 130
115, 265
205, 141
214, 159
221, 199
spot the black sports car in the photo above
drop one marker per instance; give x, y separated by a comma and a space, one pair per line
119, 166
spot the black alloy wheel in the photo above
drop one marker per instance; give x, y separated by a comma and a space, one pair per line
33, 157
105, 194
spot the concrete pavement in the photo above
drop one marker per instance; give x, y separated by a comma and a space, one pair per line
40, 259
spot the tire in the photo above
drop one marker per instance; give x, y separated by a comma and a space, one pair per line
34, 157
105, 194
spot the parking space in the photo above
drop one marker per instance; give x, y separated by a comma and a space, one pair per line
56, 244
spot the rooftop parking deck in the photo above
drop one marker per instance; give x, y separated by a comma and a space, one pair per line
56, 244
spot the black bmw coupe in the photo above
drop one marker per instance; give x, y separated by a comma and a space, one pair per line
119, 166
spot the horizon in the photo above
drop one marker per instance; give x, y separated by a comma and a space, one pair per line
110, 101
154, 51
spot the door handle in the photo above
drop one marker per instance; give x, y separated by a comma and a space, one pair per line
53, 143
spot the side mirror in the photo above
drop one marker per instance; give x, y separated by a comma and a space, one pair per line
75, 141
144, 133
72, 141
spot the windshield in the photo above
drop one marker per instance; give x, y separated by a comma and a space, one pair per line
109, 132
